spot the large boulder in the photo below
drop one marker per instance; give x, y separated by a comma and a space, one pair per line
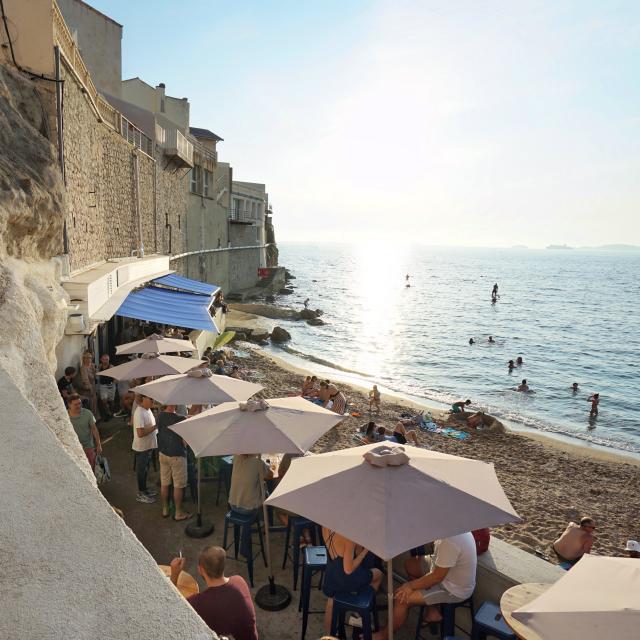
308, 314
280, 335
316, 322
285, 291
259, 336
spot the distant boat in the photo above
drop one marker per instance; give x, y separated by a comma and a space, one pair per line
559, 246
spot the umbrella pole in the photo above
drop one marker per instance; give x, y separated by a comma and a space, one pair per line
201, 528
390, 597
272, 596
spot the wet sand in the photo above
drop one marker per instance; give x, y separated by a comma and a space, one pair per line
549, 484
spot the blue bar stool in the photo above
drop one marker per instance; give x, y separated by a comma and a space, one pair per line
448, 624
298, 524
241, 522
314, 561
363, 603
488, 622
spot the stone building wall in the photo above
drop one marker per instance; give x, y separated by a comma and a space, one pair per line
100, 181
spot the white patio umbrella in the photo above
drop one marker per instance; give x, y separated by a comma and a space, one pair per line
393, 499
279, 425
155, 343
598, 598
151, 364
198, 387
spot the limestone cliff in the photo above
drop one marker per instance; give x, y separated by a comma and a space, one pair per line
73, 568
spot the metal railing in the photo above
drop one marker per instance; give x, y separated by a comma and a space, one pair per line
132, 134
104, 111
176, 144
204, 156
242, 215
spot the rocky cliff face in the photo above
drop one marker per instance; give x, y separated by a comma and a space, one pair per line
70, 552
32, 303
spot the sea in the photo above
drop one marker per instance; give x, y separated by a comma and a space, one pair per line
572, 315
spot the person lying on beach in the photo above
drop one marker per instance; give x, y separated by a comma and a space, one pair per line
374, 398
369, 432
595, 401
523, 386
576, 540
400, 435
235, 372
459, 407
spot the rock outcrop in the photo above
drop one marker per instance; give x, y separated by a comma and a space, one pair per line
280, 335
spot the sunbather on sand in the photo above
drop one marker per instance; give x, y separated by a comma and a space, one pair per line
400, 435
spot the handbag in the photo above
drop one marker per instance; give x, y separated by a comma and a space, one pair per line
101, 470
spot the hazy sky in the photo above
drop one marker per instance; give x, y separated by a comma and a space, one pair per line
467, 122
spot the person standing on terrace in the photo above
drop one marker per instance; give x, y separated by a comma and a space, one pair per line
84, 424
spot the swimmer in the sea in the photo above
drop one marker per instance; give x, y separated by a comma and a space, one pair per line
472, 341
491, 340
574, 387
519, 361
523, 386
595, 401
511, 365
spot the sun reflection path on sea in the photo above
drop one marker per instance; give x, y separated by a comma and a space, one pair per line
379, 271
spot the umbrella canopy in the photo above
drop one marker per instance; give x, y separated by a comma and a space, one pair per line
155, 344
197, 387
390, 509
151, 364
280, 425
599, 597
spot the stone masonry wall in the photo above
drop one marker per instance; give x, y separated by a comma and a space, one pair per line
100, 185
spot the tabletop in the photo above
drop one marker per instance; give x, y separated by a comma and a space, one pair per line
187, 584
516, 597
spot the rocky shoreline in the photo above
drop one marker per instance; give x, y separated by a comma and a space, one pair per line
547, 484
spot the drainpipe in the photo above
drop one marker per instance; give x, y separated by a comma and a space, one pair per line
155, 206
136, 186
60, 132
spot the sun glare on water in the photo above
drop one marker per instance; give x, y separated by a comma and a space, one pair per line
378, 289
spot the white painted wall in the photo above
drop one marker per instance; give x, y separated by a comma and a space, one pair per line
31, 29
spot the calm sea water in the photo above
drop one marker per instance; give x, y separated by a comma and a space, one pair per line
574, 316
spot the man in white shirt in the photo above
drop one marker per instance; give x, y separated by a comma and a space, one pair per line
449, 577
144, 442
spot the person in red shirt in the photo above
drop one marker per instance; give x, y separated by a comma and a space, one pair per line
225, 605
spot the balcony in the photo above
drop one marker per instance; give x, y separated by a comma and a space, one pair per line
178, 148
139, 140
241, 216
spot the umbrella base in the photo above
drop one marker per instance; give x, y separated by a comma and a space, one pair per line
199, 529
273, 597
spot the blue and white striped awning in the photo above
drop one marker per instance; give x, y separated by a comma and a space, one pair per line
171, 307
180, 283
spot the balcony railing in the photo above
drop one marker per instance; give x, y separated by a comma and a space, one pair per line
139, 140
178, 147
242, 215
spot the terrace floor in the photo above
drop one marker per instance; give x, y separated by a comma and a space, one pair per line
165, 538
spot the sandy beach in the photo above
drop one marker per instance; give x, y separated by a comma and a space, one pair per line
548, 483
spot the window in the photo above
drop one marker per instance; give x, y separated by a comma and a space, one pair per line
207, 183
196, 180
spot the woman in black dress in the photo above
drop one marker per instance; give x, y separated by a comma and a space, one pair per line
349, 568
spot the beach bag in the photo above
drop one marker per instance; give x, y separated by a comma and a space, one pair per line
482, 538
101, 470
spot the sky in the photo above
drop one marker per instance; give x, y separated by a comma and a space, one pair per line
459, 122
